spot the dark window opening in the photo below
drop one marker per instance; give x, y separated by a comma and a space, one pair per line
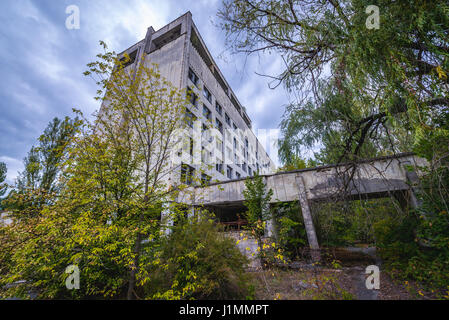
229, 172
219, 109
167, 37
219, 125
206, 113
132, 59
191, 146
207, 95
190, 118
193, 77
193, 98
227, 119
219, 167
205, 179
187, 173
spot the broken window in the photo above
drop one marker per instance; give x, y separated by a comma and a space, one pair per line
193, 98
128, 58
219, 166
187, 173
205, 179
229, 172
219, 109
219, 125
206, 112
190, 118
193, 77
207, 95
227, 119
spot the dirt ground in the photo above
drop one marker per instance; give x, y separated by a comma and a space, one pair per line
343, 279
325, 284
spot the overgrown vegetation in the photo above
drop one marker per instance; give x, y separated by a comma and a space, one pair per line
94, 195
363, 92
257, 200
198, 261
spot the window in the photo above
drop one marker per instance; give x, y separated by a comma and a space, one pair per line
237, 175
207, 95
189, 118
219, 166
206, 112
193, 98
234, 126
218, 108
193, 77
250, 171
244, 166
227, 119
219, 125
191, 146
229, 172
219, 144
236, 145
246, 143
132, 57
205, 179
187, 174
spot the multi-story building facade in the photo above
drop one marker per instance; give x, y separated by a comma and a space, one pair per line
224, 139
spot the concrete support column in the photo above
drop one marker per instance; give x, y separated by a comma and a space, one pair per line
308, 222
166, 219
413, 180
269, 228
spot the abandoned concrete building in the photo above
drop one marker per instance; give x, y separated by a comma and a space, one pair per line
231, 149
228, 151
234, 150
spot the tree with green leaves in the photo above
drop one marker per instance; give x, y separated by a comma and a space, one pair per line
257, 201
361, 91
42, 164
113, 186
3, 186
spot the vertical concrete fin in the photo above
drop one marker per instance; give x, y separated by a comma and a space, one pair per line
148, 39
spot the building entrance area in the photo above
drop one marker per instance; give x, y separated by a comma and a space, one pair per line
231, 216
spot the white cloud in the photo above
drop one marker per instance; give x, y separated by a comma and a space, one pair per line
14, 166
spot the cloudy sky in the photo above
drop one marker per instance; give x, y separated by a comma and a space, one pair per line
41, 63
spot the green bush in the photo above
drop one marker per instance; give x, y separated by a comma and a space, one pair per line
198, 262
291, 231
